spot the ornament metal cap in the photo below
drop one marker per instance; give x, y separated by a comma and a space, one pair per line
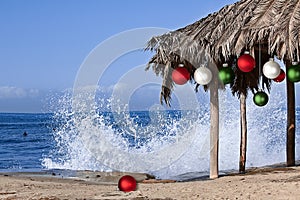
225, 65
271, 59
295, 63
246, 52
181, 65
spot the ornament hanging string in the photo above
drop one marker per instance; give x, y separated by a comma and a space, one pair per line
205, 62
269, 47
260, 78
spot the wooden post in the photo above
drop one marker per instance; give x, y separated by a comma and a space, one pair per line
243, 144
291, 126
214, 125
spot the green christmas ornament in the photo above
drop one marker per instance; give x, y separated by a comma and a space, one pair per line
260, 98
226, 74
293, 72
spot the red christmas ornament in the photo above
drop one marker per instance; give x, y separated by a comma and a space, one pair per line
127, 183
246, 62
180, 75
280, 77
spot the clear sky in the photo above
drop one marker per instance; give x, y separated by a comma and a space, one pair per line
43, 43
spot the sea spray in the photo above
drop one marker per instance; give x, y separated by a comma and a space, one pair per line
267, 130
266, 137
77, 147
121, 144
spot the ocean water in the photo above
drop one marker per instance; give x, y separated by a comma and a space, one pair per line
164, 143
24, 153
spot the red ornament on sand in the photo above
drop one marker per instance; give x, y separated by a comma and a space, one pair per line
127, 183
280, 77
180, 75
246, 62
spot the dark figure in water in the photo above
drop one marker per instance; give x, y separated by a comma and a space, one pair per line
25, 134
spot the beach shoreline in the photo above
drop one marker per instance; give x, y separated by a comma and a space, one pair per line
270, 182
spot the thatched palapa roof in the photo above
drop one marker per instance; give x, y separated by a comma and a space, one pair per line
264, 27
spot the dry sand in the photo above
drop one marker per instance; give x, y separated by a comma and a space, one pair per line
257, 183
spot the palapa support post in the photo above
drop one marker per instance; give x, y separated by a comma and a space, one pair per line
243, 144
214, 125
291, 126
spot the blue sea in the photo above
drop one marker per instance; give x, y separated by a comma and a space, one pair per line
25, 153
57, 141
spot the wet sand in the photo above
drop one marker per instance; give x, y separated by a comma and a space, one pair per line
274, 182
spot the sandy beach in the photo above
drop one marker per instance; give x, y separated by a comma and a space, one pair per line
258, 183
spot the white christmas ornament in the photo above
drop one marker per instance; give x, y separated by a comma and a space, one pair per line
202, 76
271, 69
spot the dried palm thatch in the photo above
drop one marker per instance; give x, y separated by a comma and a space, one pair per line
272, 25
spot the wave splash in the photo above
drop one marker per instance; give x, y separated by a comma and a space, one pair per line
165, 143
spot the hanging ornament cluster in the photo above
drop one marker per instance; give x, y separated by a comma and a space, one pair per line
293, 72
180, 75
246, 62
271, 69
226, 74
260, 98
202, 75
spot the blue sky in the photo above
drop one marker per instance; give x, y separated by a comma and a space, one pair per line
43, 43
